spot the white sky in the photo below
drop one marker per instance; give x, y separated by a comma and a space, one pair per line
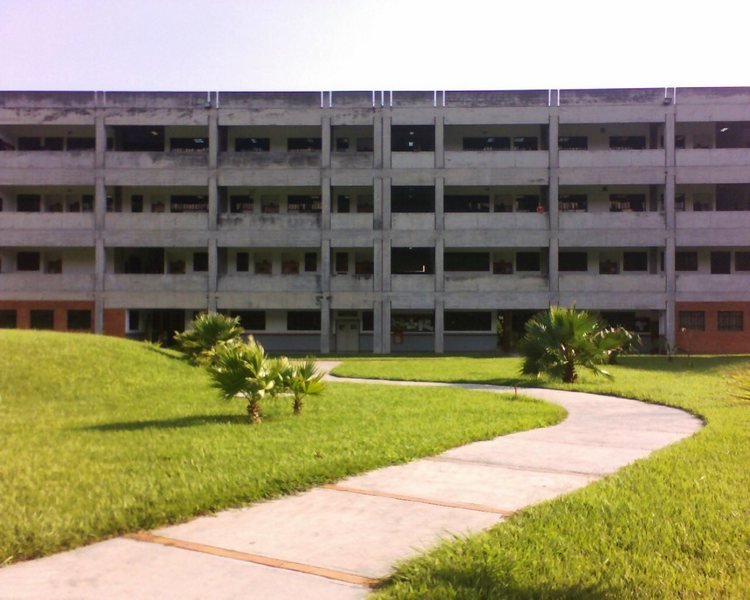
370, 44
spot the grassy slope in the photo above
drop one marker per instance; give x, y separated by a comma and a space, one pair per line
675, 525
102, 436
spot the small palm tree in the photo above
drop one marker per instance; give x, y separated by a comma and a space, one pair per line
206, 331
560, 340
305, 381
244, 370
616, 341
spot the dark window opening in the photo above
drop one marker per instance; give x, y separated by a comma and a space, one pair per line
200, 262
368, 320
364, 267
342, 144
252, 144
466, 261
413, 199
573, 142
412, 261
242, 262
8, 319
620, 319
136, 204
241, 204
574, 203
303, 320
197, 144
28, 261
30, 143
188, 204
341, 264
141, 139
627, 202
79, 320
732, 197
528, 261
343, 203
467, 203
82, 143
365, 144
413, 322
137, 261
311, 262
486, 143
54, 143
635, 261
573, 261
609, 267
733, 134
310, 144
87, 203
742, 261
253, 320
263, 267
365, 203
529, 203
686, 261
412, 138
468, 321
525, 143
303, 204
692, 320
28, 203
42, 319
730, 320
721, 263
627, 142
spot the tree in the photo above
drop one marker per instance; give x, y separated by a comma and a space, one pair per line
305, 380
560, 340
207, 331
244, 370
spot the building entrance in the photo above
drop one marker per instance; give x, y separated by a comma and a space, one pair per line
347, 335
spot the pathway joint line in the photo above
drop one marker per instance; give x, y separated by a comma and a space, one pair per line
462, 461
145, 536
419, 500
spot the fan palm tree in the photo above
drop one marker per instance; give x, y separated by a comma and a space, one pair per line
206, 331
560, 340
305, 381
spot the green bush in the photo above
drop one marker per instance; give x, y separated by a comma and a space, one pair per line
206, 331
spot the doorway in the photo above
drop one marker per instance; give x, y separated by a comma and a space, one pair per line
347, 335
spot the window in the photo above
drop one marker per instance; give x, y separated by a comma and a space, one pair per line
412, 261
573, 203
200, 262
254, 320
84, 143
198, 144
342, 263
529, 203
627, 142
54, 143
28, 261
742, 261
134, 320
525, 143
412, 138
242, 262
188, 204
241, 204
303, 320
467, 261
365, 203
303, 204
30, 143
136, 204
28, 203
730, 320
42, 319
528, 261
486, 143
627, 202
79, 320
573, 261
635, 261
342, 144
686, 261
467, 203
311, 262
468, 321
343, 203
365, 144
252, 144
141, 139
263, 267
311, 144
573, 142
8, 319
721, 263
692, 320
413, 199
367, 320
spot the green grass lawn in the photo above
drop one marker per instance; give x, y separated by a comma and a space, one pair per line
102, 436
676, 525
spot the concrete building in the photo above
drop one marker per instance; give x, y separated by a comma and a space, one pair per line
378, 221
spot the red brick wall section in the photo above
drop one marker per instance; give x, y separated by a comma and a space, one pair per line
713, 341
23, 310
114, 322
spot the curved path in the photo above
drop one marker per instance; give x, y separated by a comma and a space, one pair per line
334, 541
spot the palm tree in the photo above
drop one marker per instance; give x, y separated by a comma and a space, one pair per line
206, 331
305, 381
560, 340
244, 370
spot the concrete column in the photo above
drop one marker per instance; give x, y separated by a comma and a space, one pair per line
386, 269
386, 142
101, 139
386, 204
439, 265
386, 323
554, 134
439, 204
325, 267
554, 238
100, 264
325, 203
439, 325
325, 142
213, 202
670, 328
213, 274
100, 202
439, 142
213, 139
377, 327
377, 140
377, 258
325, 325
377, 198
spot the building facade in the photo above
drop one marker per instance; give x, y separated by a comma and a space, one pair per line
378, 221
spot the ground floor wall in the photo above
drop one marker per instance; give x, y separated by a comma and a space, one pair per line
62, 315
713, 327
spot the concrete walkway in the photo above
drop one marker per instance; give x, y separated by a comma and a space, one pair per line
334, 541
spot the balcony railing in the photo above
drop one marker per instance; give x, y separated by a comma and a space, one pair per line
413, 283
195, 282
158, 221
159, 160
487, 282
270, 160
47, 282
302, 282
23, 220
530, 159
612, 158
42, 159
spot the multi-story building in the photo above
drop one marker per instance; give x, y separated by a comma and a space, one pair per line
378, 221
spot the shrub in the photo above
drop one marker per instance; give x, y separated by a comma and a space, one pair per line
206, 331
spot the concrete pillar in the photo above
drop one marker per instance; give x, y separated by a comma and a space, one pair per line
100, 202
100, 130
325, 267
386, 268
377, 259
377, 327
377, 140
386, 204
213, 203
554, 239
325, 142
377, 198
213, 274
439, 325
325, 325
325, 203
439, 142
386, 324
554, 134
386, 142
213, 139
100, 266
439, 204
439, 264
670, 329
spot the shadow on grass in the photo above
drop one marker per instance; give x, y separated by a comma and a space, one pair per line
172, 354
682, 363
176, 423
